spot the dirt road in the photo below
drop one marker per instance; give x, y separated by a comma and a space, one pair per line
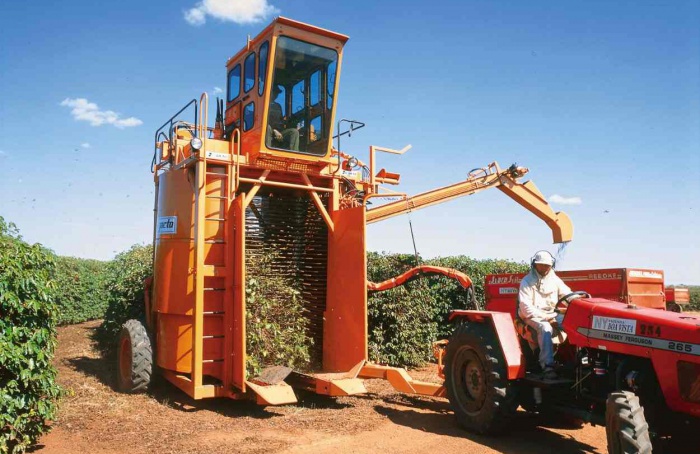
96, 419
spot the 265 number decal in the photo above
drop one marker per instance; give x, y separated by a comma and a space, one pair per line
680, 347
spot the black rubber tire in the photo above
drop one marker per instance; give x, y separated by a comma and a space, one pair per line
625, 425
134, 358
674, 307
486, 403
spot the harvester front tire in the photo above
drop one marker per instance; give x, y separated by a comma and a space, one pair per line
135, 358
476, 379
625, 425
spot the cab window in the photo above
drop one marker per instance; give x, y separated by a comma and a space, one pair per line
301, 102
262, 67
249, 72
234, 83
248, 116
315, 88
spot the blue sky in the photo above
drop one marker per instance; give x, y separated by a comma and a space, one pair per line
601, 100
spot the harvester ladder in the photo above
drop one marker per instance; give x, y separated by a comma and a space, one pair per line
213, 270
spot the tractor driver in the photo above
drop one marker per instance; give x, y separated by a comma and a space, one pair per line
288, 137
539, 292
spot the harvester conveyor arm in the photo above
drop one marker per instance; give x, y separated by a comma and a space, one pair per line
525, 194
426, 270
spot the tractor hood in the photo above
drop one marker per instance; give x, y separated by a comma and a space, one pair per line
591, 320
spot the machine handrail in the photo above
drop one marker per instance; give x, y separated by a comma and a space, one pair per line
169, 123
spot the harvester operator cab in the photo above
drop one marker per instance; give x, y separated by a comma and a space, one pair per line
282, 90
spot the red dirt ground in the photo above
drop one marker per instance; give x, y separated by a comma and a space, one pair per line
96, 419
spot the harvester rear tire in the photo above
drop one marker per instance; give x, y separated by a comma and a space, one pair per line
478, 388
625, 425
135, 358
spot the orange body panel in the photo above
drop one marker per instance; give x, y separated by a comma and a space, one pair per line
345, 328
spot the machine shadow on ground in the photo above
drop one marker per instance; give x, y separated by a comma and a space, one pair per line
104, 369
524, 437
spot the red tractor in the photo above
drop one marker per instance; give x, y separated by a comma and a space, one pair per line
634, 370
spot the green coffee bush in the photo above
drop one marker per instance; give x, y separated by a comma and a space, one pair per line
277, 327
28, 390
405, 321
81, 292
124, 277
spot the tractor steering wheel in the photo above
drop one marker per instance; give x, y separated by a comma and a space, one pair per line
563, 303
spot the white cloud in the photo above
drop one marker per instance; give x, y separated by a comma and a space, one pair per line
84, 110
85, 145
556, 198
217, 90
196, 16
238, 11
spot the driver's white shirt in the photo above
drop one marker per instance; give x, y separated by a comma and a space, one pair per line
538, 295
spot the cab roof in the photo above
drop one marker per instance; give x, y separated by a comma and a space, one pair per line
291, 23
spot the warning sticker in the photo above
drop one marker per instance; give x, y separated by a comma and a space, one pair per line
615, 325
214, 155
167, 224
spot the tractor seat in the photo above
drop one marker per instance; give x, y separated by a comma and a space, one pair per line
529, 334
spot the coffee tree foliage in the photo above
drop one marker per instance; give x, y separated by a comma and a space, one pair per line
694, 297
405, 321
80, 289
276, 321
124, 283
28, 389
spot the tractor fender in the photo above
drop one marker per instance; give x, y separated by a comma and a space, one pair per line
502, 324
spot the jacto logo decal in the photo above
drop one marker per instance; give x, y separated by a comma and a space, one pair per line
615, 325
167, 224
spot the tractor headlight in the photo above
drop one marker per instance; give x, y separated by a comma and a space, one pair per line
352, 162
196, 143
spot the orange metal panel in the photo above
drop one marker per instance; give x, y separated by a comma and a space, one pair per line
174, 346
214, 254
213, 348
174, 293
345, 324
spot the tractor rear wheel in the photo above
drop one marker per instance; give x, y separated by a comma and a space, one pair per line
476, 379
625, 425
135, 358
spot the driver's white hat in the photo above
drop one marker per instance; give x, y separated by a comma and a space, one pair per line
544, 258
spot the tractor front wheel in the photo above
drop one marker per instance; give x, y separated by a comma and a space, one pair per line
625, 425
475, 376
135, 358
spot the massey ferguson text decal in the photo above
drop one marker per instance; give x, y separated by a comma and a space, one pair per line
615, 325
167, 224
641, 341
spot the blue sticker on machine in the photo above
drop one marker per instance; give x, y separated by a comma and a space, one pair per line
167, 224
